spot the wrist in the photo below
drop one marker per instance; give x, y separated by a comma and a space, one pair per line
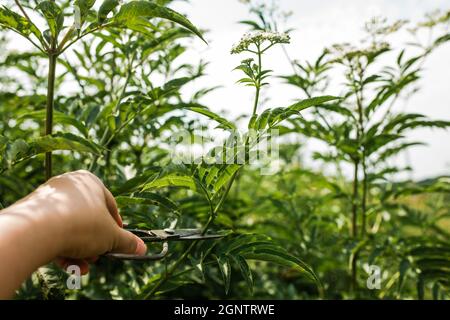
39, 227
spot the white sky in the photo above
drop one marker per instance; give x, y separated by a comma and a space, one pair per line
318, 24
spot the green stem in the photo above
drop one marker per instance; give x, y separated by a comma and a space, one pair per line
49, 109
22, 10
364, 196
353, 270
66, 37
211, 219
62, 49
355, 200
213, 213
360, 137
258, 83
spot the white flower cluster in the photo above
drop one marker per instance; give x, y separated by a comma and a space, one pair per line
258, 38
345, 50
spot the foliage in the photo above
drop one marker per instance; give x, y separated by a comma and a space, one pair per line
118, 99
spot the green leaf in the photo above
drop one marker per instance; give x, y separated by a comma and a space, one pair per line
63, 141
176, 84
403, 268
131, 12
106, 7
225, 175
442, 39
252, 121
281, 258
147, 198
81, 10
53, 14
18, 148
273, 117
166, 36
376, 142
307, 103
245, 271
172, 180
389, 152
225, 269
224, 123
58, 117
338, 109
262, 248
3, 141
137, 182
19, 24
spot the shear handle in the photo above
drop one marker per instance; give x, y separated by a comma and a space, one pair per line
157, 256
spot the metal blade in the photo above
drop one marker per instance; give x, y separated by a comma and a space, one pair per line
172, 235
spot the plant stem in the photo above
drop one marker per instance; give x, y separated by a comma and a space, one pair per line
258, 83
22, 10
213, 213
354, 282
360, 159
62, 49
193, 244
360, 137
364, 196
49, 109
355, 200
353, 270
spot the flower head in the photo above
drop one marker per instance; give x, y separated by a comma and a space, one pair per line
258, 38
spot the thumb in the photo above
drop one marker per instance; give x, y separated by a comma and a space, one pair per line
128, 243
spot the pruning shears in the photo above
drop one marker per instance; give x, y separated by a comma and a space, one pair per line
164, 236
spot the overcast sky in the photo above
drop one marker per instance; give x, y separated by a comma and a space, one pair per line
318, 24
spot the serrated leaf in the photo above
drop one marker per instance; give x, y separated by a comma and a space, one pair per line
18, 147
132, 11
281, 258
147, 198
307, 103
224, 123
58, 117
63, 141
136, 182
245, 271
225, 175
172, 180
262, 248
225, 269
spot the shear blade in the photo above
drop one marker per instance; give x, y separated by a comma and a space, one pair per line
200, 237
172, 235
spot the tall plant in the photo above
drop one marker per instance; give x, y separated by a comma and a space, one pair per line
86, 20
216, 180
371, 132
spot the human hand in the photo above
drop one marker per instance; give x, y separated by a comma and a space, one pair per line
84, 218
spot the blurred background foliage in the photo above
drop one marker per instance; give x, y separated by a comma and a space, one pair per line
119, 90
